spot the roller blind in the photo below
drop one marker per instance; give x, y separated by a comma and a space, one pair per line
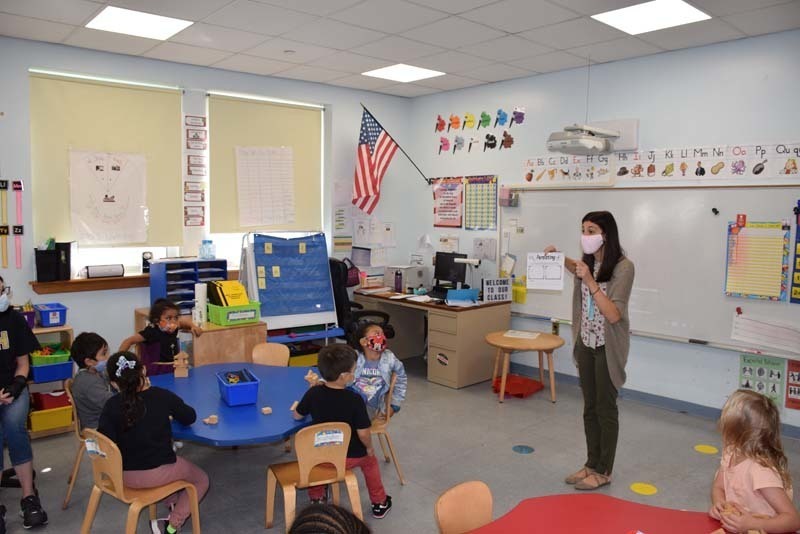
77, 114
241, 122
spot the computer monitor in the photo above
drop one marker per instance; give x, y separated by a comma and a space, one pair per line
447, 270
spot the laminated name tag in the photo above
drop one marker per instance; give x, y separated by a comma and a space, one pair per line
328, 437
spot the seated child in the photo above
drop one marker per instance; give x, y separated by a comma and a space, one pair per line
165, 321
333, 402
90, 387
752, 489
374, 370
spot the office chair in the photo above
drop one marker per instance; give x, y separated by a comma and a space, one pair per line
350, 314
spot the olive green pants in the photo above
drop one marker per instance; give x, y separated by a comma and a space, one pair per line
600, 413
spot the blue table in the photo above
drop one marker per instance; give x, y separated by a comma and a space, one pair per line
238, 425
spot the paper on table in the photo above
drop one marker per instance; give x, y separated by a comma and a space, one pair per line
373, 290
521, 334
546, 271
763, 332
420, 298
400, 297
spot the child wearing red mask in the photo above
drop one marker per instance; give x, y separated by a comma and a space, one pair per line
165, 322
374, 369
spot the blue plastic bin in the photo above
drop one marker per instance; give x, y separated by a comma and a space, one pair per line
240, 393
52, 372
51, 314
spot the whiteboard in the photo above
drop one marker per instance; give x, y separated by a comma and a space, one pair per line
677, 244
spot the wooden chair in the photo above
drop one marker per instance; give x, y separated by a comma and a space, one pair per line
380, 427
76, 426
318, 462
464, 507
275, 354
107, 470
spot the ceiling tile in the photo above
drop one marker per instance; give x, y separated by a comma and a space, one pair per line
696, 34
408, 90
349, 62
451, 61
311, 74
398, 49
551, 62
75, 12
315, 7
36, 29
110, 42
252, 64
181, 53
449, 82
334, 34
593, 7
506, 48
357, 81
298, 52
453, 7
519, 15
720, 8
390, 16
572, 33
181, 9
626, 47
497, 72
259, 18
771, 19
453, 32
218, 37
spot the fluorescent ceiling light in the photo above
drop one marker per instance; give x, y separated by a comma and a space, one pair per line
651, 16
403, 73
118, 20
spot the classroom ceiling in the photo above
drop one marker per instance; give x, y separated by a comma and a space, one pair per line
475, 42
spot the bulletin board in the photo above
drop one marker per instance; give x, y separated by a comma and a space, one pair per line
291, 277
677, 243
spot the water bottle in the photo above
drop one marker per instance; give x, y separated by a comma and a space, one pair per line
207, 250
398, 281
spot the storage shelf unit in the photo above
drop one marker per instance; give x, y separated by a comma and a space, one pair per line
65, 335
175, 279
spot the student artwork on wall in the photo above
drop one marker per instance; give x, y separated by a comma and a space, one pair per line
763, 374
463, 134
704, 166
481, 203
107, 197
757, 259
448, 202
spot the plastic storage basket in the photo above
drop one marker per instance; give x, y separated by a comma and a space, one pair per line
49, 419
50, 373
59, 355
51, 314
233, 315
245, 391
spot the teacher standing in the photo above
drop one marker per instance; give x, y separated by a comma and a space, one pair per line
601, 337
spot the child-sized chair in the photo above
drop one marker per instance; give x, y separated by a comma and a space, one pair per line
76, 426
464, 507
380, 427
275, 354
107, 470
321, 456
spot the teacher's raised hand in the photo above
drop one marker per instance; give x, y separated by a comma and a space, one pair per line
582, 271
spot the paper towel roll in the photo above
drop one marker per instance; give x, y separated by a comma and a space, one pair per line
201, 300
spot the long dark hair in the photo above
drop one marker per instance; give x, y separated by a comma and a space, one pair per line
612, 251
129, 382
327, 519
159, 307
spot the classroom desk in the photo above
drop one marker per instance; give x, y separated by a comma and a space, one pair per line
238, 425
597, 514
457, 353
217, 344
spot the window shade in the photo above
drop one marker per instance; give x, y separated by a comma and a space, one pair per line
238, 122
77, 114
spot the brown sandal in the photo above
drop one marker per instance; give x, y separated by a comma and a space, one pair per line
579, 475
593, 481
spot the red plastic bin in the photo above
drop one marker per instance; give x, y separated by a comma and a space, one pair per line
48, 401
518, 386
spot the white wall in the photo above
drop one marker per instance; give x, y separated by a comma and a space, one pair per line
738, 92
110, 313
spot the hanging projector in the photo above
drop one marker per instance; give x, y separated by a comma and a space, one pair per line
582, 140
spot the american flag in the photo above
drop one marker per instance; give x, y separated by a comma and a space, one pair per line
375, 151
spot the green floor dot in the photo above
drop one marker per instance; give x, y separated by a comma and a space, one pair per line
522, 449
643, 488
706, 449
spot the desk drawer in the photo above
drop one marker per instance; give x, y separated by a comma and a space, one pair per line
443, 323
442, 366
443, 339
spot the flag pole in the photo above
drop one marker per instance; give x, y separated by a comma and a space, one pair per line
427, 180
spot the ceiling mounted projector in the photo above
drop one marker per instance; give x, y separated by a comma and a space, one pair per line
582, 140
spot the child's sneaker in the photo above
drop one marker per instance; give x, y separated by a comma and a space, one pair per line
321, 500
380, 510
161, 526
32, 513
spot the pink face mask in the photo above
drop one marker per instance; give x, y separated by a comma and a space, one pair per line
591, 243
377, 342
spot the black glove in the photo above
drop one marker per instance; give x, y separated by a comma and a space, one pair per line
17, 386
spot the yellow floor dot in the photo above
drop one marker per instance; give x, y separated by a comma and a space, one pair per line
706, 449
643, 488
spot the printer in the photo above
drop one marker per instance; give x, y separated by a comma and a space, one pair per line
413, 276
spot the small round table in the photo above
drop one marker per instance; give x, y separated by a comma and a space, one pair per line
543, 343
